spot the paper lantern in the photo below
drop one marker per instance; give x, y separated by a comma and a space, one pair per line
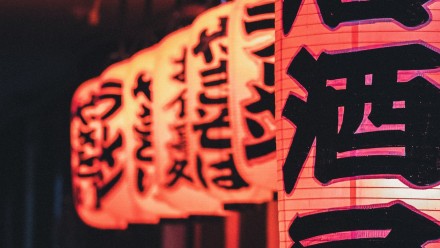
113, 184
170, 124
357, 99
139, 99
140, 185
98, 141
252, 96
210, 131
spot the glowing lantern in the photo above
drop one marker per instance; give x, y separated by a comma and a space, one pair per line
139, 99
99, 158
251, 68
170, 128
138, 194
210, 131
108, 188
357, 94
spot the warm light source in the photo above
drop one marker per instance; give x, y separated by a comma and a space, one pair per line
357, 99
177, 178
210, 110
251, 67
114, 181
183, 127
98, 147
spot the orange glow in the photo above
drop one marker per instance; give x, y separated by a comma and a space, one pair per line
170, 87
372, 190
109, 189
211, 151
139, 99
252, 96
180, 128
95, 129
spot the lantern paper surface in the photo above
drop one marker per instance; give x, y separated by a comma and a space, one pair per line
140, 99
211, 130
99, 158
170, 123
105, 169
140, 205
251, 68
357, 99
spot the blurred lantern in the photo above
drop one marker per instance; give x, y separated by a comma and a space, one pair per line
210, 130
252, 97
180, 128
99, 154
113, 186
357, 94
139, 98
140, 184
178, 185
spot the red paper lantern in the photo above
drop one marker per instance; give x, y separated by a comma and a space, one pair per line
357, 94
251, 66
180, 128
140, 100
113, 184
98, 143
210, 134
170, 124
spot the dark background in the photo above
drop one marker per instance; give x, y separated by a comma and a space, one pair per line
48, 48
